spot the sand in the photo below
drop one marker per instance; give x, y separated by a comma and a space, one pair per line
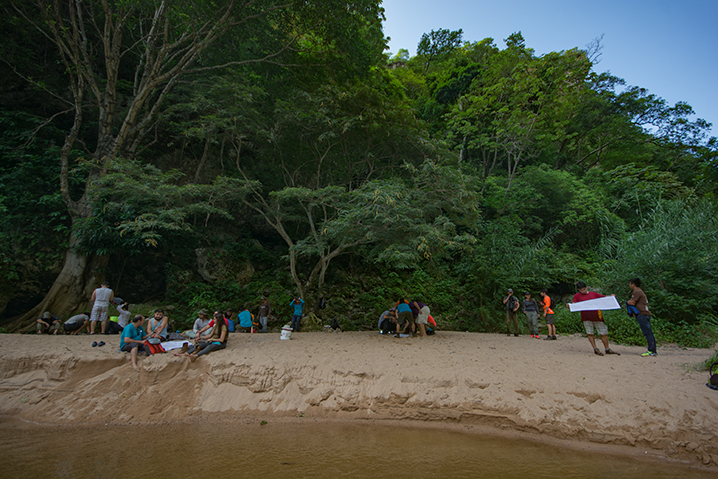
552, 390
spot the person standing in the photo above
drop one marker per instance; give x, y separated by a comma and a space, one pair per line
101, 298
421, 314
640, 301
531, 311
592, 320
548, 315
298, 304
265, 309
512, 305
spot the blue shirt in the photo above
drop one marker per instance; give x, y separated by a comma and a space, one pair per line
245, 319
298, 308
403, 307
133, 333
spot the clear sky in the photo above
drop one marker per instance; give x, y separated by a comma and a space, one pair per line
668, 47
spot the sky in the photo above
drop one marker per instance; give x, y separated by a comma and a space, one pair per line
668, 47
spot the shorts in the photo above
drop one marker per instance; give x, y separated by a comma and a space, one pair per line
550, 319
99, 313
406, 316
423, 317
600, 327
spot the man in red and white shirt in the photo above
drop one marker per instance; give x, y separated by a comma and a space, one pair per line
592, 320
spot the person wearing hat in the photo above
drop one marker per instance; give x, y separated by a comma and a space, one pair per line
48, 323
265, 309
512, 306
531, 311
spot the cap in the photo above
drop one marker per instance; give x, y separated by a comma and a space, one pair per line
47, 314
526, 292
262, 297
511, 290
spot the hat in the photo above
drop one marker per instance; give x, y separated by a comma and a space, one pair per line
47, 314
262, 297
526, 292
202, 312
511, 290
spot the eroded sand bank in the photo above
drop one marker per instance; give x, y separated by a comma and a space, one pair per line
555, 389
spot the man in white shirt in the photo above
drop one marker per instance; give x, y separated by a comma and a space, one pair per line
101, 299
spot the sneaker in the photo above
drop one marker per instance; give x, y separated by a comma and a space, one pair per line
649, 353
516, 334
597, 352
554, 338
547, 338
611, 351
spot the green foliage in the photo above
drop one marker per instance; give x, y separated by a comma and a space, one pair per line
674, 255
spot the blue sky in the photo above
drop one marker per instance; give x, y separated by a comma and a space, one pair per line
667, 47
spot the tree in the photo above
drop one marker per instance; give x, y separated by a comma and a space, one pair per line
437, 44
121, 60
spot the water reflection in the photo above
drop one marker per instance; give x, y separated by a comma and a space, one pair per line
312, 450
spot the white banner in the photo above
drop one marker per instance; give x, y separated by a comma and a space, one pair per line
609, 302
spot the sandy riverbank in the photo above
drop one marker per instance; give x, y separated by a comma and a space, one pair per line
555, 389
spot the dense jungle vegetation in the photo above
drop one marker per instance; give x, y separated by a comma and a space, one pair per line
201, 154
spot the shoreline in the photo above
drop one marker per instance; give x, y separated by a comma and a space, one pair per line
555, 391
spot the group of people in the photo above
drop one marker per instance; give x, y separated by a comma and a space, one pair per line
592, 320
211, 334
531, 309
405, 315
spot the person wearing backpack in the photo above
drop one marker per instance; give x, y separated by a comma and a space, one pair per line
548, 315
531, 310
640, 301
512, 306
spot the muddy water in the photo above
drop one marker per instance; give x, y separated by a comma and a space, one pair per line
314, 450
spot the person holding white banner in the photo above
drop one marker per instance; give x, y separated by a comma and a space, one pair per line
592, 319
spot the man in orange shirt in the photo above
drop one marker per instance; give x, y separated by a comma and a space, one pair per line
548, 315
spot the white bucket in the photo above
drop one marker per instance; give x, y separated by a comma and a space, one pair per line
286, 333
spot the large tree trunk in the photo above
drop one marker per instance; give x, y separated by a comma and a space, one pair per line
71, 291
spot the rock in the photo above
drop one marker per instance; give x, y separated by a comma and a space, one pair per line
216, 264
692, 446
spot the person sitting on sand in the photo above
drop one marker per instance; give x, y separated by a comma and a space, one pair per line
49, 323
231, 318
133, 338
216, 341
244, 320
77, 323
158, 324
199, 323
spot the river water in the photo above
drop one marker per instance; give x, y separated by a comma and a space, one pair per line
296, 450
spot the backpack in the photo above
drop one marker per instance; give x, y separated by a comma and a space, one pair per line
153, 348
632, 310
335, 324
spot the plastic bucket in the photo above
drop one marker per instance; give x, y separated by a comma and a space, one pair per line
230, 325
286, 333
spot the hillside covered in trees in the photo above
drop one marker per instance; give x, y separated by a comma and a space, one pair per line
202, 154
